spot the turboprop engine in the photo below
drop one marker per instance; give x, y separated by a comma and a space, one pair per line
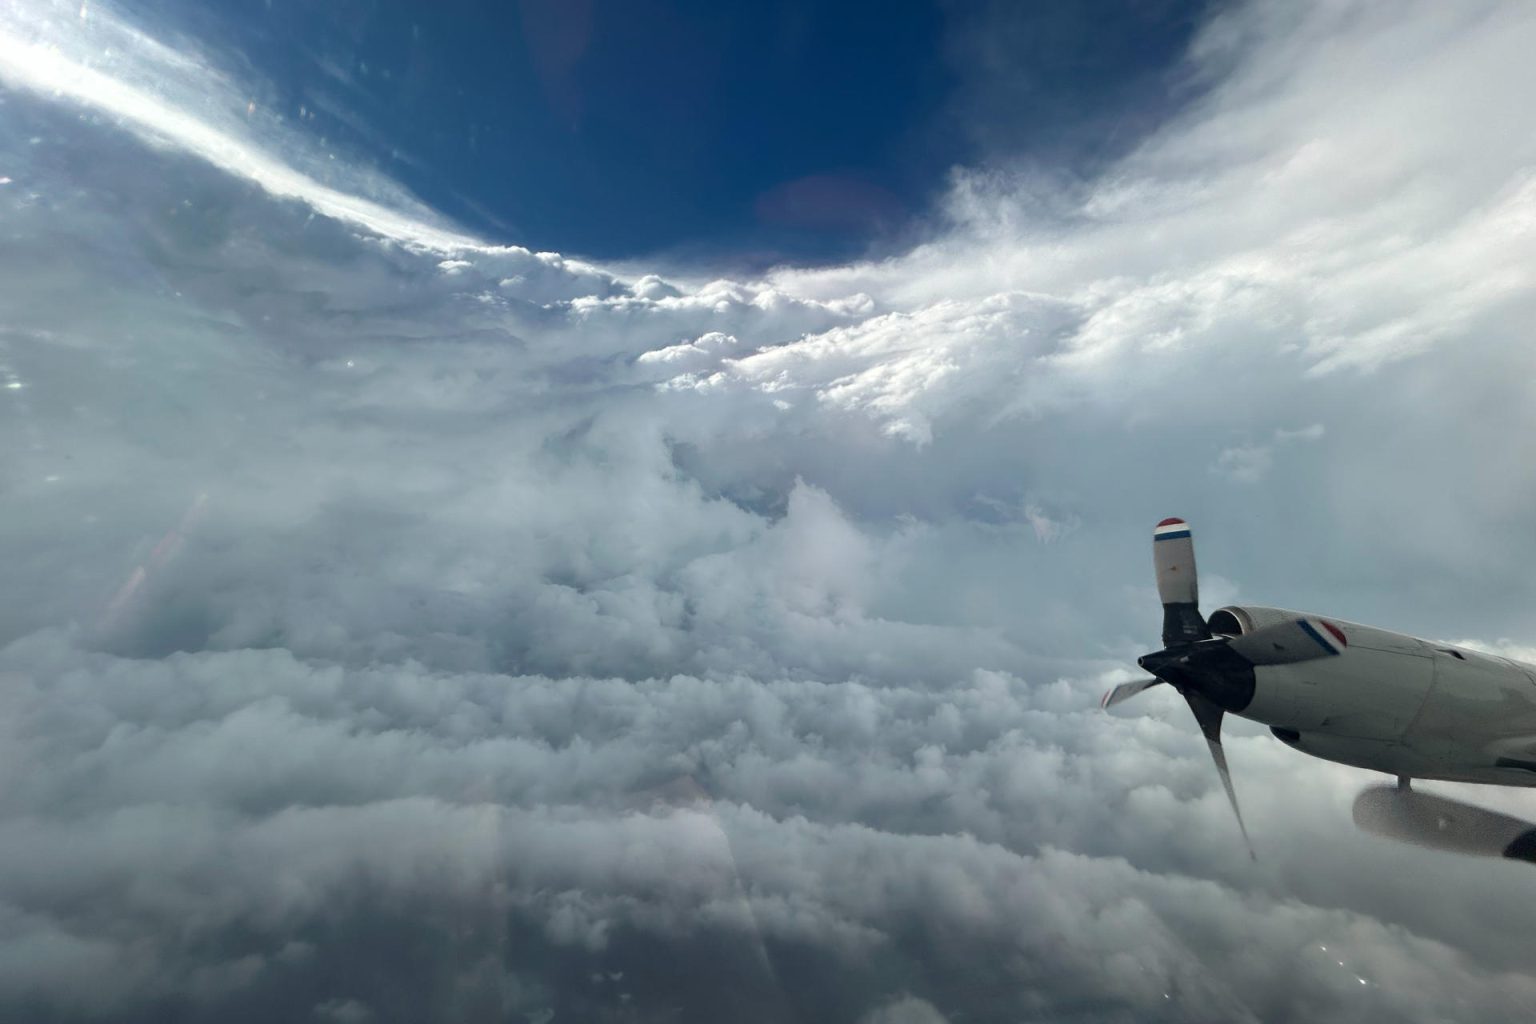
1348, 693
1216, 672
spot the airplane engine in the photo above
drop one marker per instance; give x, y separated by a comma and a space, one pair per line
1340, 691
1351, 680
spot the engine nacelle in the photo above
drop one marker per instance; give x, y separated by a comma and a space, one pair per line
1371, 691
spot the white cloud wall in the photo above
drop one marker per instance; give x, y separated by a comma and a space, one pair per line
399, 626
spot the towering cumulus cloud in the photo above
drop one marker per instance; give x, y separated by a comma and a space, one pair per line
400, 627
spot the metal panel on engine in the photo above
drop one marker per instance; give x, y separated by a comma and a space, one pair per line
1481, 709
1253, 617
1366, 693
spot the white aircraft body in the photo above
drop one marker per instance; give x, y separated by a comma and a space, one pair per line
1338, 690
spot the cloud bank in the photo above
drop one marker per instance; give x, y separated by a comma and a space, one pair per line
400, 626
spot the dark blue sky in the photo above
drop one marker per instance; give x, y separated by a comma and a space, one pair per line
750, 132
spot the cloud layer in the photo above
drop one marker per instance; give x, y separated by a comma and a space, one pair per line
399, 626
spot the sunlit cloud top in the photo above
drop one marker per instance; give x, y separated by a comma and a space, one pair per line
86, 55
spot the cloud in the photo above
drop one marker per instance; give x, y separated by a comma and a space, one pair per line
402, 627
55, 49
1246, 463
883, 830
906, 1010
1250, 463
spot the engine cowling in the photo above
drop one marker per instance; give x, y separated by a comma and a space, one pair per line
1370, 691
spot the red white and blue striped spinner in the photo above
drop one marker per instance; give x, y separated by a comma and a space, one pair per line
1170, 529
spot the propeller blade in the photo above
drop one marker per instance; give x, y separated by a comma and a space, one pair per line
1286, 643
1173, 556
1125, 691
1209, 715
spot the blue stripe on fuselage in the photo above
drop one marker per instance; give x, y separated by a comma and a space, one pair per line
1172, 536
1325, 645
